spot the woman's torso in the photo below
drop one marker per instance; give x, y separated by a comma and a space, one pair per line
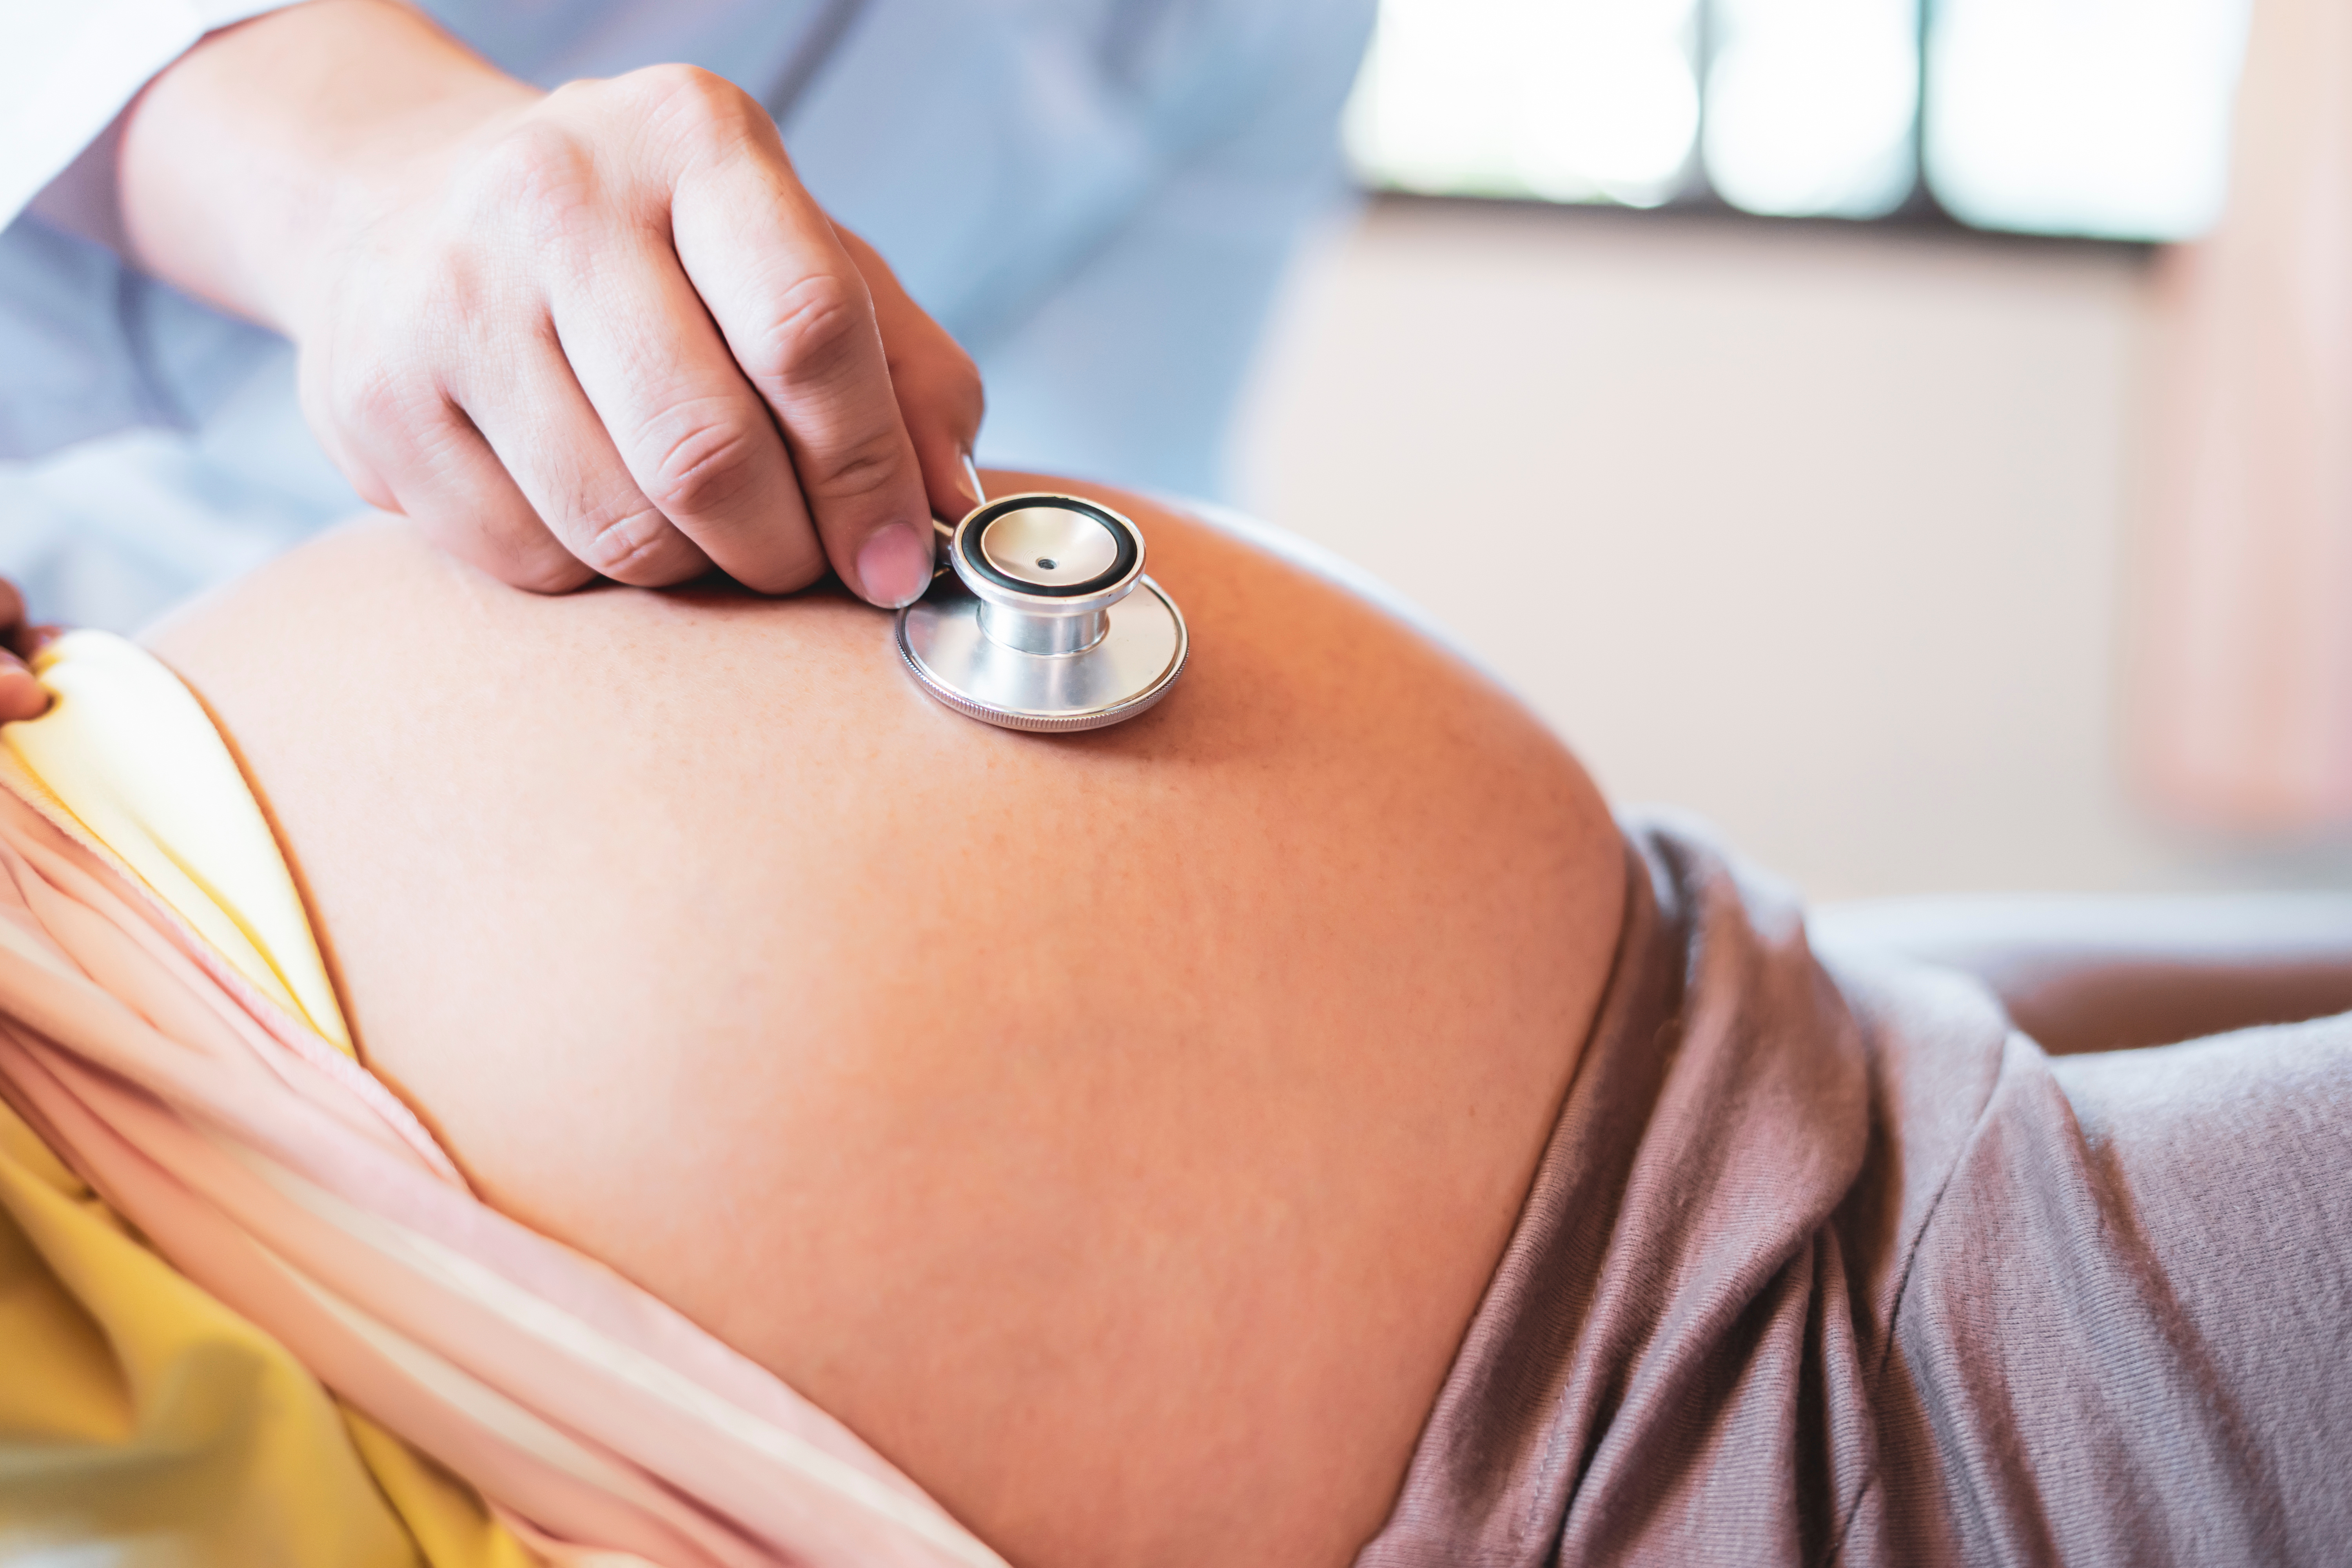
1116, 1131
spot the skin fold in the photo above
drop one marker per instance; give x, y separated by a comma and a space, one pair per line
1116, 1130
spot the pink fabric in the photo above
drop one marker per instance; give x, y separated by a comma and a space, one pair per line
284, 1179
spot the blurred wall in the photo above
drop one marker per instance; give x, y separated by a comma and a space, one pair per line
1819, 532
2243, 710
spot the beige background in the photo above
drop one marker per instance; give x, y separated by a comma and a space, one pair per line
1822, 532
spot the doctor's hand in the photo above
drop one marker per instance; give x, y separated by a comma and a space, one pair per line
601, 330
21, 696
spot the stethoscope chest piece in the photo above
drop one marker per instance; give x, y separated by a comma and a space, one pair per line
1044, 620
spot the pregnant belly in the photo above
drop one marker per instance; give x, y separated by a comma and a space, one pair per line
1116, 1131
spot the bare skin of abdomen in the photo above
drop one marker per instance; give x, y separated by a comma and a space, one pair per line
1116, 1130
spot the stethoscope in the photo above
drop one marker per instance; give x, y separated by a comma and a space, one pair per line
1042, 618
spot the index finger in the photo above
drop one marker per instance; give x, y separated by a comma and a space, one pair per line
21, 696
796, 314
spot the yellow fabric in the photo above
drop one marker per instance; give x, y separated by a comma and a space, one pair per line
135, 1409
140, 1412
451, 1525
130, 752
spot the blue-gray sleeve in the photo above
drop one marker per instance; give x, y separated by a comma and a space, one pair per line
1100, 214
88, 346
1132, 368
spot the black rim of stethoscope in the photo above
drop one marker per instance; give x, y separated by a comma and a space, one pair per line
968, 534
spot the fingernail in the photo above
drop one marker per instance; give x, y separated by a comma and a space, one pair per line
894, 566
972, 480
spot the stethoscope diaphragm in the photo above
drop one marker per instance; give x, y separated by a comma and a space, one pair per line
1043, 619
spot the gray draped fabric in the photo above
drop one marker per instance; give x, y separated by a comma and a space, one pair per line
1829, 1264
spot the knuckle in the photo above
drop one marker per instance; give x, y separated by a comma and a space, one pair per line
538, 174
817, 333
544, 572
688, 86
789, 573
942, 375
963, 377
360, 400
702, 110
712, 467
959, 390
372, 399
521, 555
860, 468
460, 299
637, 547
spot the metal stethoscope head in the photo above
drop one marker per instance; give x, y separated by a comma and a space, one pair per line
1042, 619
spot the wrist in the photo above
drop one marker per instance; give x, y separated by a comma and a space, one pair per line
261, 154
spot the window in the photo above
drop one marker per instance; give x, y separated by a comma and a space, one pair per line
2105, 118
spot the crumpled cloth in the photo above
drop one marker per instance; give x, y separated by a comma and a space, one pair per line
168, 1038
1828, 1263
